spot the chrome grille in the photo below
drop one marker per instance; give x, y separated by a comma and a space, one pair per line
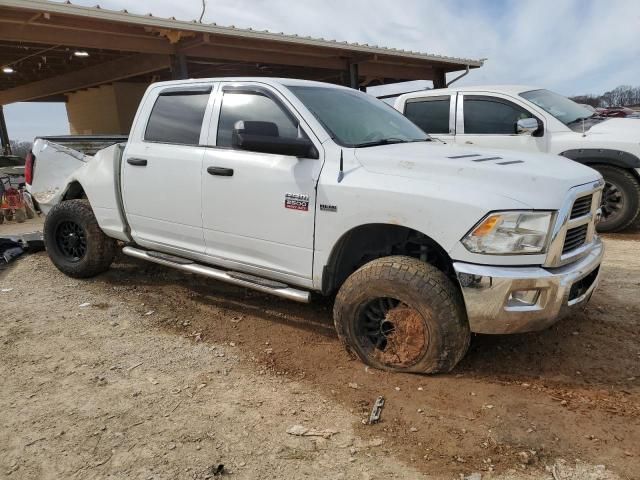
581, 207
575, 227
576, 237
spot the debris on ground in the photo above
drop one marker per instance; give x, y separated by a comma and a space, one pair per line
215, 471
302, 431
376, 411
12, 247
473, 476
9, 250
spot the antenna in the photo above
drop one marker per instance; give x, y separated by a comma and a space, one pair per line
204, 9
341, 172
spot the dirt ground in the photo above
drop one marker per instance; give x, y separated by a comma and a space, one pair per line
145, 372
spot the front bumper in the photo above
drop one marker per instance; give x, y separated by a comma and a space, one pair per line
488, 290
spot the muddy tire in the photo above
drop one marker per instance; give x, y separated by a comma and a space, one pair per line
620, 199
74, 241
401, 314
21, 215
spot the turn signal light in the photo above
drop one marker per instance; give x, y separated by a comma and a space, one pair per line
487, 226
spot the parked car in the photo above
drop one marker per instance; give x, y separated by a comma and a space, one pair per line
531, 119
290, 187
618, 112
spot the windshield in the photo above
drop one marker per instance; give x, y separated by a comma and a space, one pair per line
565, 110
355, 119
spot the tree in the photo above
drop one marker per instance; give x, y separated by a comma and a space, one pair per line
20, 149
621, 96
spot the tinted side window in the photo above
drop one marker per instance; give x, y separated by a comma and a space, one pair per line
491, 115
177, 118
431, 115
252, 107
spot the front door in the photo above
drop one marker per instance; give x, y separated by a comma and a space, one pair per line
490, 121
259, 208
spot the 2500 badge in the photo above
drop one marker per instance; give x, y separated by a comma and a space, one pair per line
296, 201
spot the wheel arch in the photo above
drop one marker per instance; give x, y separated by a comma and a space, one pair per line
74, 191
604, 156
367, 242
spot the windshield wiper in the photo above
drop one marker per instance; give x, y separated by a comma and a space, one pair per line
388, 141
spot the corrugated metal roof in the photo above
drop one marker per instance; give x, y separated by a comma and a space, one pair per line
97, 12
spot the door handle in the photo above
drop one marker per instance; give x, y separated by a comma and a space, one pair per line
469, 142
221, 171
137, 162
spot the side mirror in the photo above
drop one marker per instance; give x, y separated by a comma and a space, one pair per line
529, 126
264, 137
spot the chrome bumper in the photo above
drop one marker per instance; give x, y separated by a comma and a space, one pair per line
488, 290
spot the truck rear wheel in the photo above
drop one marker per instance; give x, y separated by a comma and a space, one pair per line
401, 314
74, 241
620, 199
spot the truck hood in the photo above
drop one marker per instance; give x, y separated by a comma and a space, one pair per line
536, 180
625, 129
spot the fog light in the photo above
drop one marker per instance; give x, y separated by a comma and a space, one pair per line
523, 298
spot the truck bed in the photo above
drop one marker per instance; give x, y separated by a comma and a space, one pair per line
87, 144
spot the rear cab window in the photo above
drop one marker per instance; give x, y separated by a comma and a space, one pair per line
177, 116
431, 114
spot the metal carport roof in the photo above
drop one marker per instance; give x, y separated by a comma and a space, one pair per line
39, 41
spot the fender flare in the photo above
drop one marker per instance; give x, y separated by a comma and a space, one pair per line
590, 156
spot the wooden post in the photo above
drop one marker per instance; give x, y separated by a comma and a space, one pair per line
354, 81
179, 70
439, 79
4, 134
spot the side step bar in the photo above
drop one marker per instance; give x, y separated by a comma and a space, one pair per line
234, 278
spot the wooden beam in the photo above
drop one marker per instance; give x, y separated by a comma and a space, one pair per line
107, 72
256, 55
52, 35
406, 72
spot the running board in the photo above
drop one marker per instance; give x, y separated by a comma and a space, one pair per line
235, 278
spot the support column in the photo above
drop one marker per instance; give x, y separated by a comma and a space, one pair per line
354, 81
179, 70
4, 135
439, 79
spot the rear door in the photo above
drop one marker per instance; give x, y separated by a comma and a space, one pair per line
435, 115
489, 120
162, 168
259, 208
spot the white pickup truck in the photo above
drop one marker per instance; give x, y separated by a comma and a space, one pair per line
291, 187
531, 119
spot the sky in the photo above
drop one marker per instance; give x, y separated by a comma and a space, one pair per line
570, 46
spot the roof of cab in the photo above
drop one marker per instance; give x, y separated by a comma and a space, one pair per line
266, 80
512, 89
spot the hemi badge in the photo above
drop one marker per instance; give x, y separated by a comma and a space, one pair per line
328, 208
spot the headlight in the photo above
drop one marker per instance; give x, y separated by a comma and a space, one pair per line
510, 233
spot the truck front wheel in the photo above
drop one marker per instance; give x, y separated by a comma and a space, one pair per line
401, 314
620, 199
74, 241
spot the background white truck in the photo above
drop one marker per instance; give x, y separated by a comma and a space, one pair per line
531, 119
291, 187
